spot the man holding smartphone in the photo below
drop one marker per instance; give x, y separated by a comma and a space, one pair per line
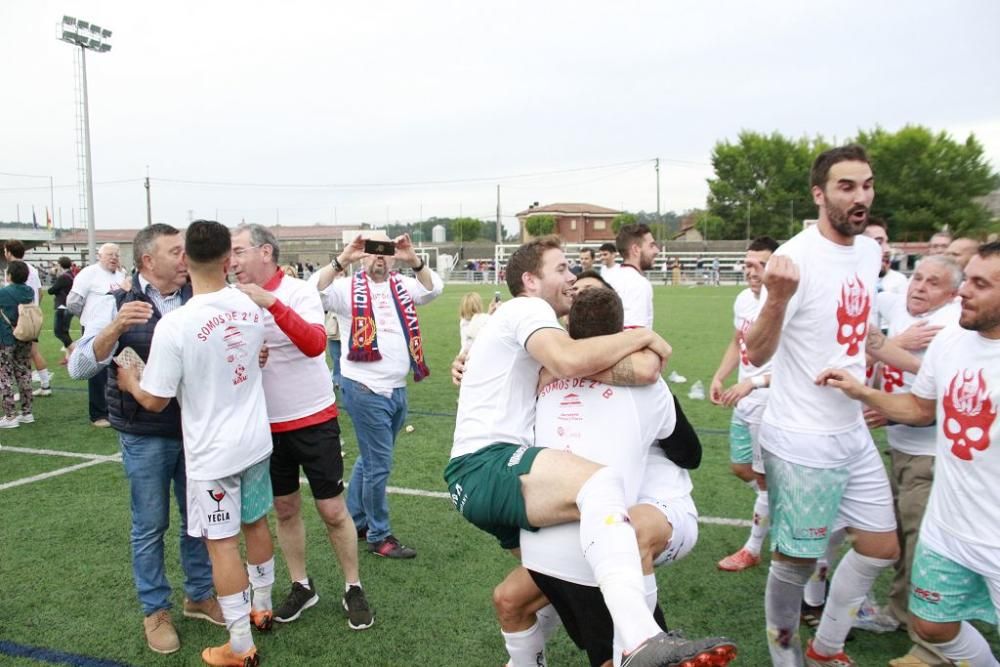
377, 309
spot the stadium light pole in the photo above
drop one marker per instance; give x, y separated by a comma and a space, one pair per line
90, 37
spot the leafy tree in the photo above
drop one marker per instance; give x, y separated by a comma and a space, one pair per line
763, 178
540, 225
465, 229
924, 180
623, 219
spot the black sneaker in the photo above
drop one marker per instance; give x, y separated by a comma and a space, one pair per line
667, 649
359, 614
300, 599
391, 548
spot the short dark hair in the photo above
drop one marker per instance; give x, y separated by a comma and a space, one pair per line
608, 247
630, 234
825, 160
596, 312
879, 222
528, 259
15, 248
763, 243
18, 271
207, 241
65, 262
589, 251
987, 250
143, 242
591, 273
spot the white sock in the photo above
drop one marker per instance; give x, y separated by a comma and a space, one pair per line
261, 581
44, 377
525, 648
348, 584
304, 582
815, 592
782, 600
758, 530
608, 543
548, 621
850, 584
968, 648
236, 611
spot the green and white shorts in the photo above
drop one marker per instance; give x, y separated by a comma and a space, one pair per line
217, 508
485, 486
809, 504
944, 590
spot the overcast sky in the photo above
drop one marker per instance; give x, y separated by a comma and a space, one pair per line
304, 112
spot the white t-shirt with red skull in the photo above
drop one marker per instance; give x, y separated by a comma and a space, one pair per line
961, 371
745, 310
912, 440
826, 325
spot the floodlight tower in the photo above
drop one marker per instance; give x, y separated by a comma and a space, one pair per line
90, 37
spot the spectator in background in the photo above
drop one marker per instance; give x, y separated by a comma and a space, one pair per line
472, 318
587, 260
90, 299
938, 245
675, 270
15, 250
962, 249
60, 289
638, 249
606, 254
15, 355
332, 325
290, 271
889, 280
716, 274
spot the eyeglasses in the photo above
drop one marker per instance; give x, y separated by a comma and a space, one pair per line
239, 251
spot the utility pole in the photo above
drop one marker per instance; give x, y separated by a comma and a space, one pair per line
659, 219
149, 203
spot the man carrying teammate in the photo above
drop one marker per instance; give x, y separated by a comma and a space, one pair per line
823, 470
956, 567
749, 395
502, 483
206, 354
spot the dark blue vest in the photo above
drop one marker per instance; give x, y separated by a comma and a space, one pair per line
124, 413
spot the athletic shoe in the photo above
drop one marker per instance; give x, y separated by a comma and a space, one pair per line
300, 599
739, 561
359, 614
206, 610
160, 634
9, 422
35, 377
391, 548
262, 620
872, 618
814, 659
26, 418
676, 377
223, 656
42, 391
101, 423
908, 660
672, 649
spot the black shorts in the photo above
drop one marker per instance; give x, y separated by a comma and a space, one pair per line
584, 615
317, 450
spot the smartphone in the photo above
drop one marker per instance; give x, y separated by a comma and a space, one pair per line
384, 248
496, 297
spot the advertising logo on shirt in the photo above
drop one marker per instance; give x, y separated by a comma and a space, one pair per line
852, 315
968, 413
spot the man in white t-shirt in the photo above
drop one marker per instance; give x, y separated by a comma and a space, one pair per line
90, 296
305, 431
15, 250
889, 280
606, 254
823, 471
956, 567
502, 483
749, 396
930, 301
377, 306
638, 249
205, 354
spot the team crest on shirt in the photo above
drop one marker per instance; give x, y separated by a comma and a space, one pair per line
968, 413
852, 314
219, 515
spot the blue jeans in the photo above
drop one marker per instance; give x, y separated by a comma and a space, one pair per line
376, 421
333, 349
151, 462
97, 401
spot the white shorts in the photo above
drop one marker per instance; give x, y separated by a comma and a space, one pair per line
218, 508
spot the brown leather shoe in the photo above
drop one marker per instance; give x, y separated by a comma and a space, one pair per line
160, 634
207, 610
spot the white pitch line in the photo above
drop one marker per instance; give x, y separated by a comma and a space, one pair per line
53, 473
55, 452
400, 490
